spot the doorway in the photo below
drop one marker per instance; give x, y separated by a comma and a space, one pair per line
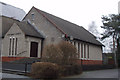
34, 49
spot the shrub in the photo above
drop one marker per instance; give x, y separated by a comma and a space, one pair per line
67, 70
52, 53
45, 70
77, 68
63, 53
69, 52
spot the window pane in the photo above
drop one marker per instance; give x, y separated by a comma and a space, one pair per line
84, 50
16, 47
10, 47
88, 50
81, 50
78, 50
13, 46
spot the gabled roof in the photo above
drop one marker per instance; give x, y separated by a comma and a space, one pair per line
70, 29
12, 11
29, 29
25, 26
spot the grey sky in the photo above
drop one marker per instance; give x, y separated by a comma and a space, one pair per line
81, 12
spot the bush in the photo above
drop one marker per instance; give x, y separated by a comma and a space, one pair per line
69, 53
45, 70
63, 53
52, 54
67, 70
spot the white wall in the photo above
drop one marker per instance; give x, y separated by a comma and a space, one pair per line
15, 32
45, 27
92, 52
23, 43
95, 52
32, 39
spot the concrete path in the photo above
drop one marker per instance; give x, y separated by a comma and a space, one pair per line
6, 75
110, 73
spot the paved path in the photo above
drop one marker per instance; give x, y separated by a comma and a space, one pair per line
6, 75
110, 73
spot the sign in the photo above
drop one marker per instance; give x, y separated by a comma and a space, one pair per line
13, 34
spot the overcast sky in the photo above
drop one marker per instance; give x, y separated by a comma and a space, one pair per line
81, 12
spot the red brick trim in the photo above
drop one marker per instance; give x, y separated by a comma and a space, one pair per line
8, 59
89, 62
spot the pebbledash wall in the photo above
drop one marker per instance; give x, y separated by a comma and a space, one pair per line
93, 52
89, 54
51, 33
15, 45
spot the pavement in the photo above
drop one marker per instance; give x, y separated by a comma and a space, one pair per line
110, 73
6, 75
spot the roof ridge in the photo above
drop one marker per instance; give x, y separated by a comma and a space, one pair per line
10, 18
58, 17
69, 28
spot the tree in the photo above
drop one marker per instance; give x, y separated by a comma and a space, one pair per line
111, 24
93, 29
118, 52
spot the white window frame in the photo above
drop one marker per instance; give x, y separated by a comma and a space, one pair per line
79, 50
12, 47
82, 51
88, 51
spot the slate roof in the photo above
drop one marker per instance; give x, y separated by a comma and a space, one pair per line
12, 11
29, 29
25, 26
70, 29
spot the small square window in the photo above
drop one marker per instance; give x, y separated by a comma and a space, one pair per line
33, 16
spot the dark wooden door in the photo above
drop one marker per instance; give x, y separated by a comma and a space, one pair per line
34, 49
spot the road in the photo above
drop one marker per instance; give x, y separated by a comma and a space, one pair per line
110, 73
